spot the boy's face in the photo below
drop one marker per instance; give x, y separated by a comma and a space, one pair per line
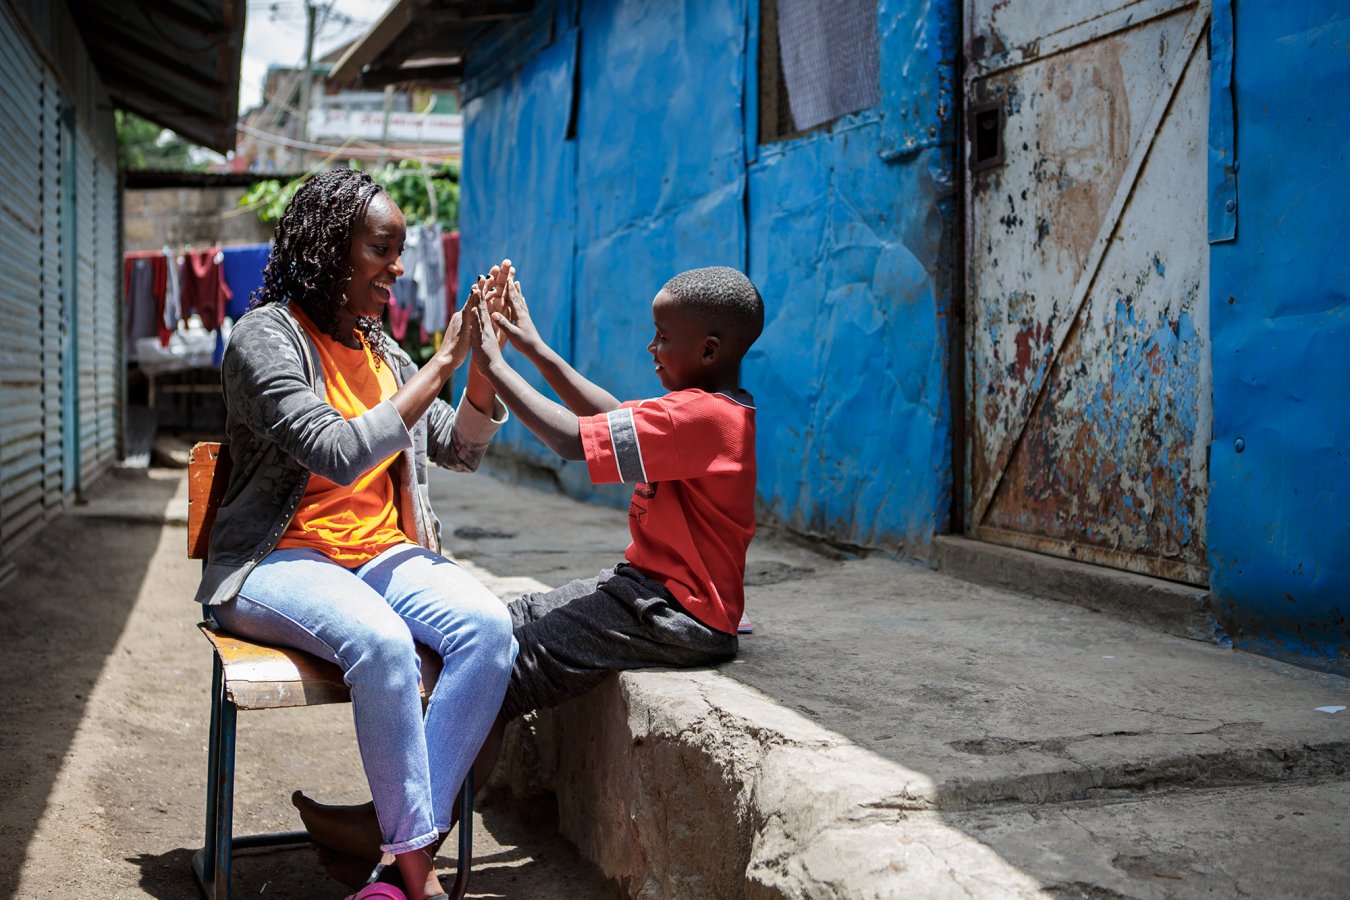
681, 348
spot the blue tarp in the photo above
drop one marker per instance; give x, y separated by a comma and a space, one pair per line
243, 265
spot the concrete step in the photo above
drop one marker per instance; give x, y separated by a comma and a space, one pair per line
1180, 609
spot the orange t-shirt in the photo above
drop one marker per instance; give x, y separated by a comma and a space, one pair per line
350, 524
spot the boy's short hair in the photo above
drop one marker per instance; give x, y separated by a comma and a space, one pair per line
724, 298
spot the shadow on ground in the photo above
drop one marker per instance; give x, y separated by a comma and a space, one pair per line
517, 854
63, 612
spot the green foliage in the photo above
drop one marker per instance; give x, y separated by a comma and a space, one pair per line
428, 195
268, 198
145, 146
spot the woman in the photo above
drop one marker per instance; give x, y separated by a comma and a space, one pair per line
326, 541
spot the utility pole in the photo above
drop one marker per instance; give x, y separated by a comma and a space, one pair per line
307, 76
384, 129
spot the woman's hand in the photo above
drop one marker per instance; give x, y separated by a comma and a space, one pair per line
455, 345
478, 318
417, 394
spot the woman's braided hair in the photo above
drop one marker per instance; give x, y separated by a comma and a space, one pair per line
309, 264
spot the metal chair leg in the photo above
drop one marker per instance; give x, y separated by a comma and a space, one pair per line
213, 864
208, 867
212, 880
465, 862
224, 845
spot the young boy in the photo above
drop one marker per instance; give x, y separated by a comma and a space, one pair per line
677, 597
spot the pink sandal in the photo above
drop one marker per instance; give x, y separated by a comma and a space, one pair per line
379, 891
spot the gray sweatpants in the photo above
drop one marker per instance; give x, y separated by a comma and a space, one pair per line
573, 636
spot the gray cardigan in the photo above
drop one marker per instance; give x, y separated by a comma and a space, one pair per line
281, 428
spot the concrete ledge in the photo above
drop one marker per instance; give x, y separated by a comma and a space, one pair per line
690, 784
1175, 608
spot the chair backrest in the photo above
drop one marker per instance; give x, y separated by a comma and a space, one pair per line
208, 475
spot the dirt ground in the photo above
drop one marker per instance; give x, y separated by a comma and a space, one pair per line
104, 700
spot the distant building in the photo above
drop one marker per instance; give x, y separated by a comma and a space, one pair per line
392, 124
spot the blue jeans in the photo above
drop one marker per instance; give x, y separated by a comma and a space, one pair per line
366, 620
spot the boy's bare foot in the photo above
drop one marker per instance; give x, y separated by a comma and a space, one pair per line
351, 830
352, 871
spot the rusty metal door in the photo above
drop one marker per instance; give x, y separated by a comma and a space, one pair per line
1087, 328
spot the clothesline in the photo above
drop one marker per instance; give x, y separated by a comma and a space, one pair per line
181, 305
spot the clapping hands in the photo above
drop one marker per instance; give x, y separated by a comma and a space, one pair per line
478, 320
496, 298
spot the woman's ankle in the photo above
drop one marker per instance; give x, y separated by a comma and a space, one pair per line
418, 868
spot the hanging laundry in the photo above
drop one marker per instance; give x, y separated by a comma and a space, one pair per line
243, 266
142, 308
431, 279
144, 279
450, 253
413, 272
222, 338
173, 307
399, 315
204, 291
403, 304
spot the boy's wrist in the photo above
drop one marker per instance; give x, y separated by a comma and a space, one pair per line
496, 367
537, 351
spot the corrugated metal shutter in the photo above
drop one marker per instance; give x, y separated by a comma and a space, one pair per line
21, 391
107, 296
50, 274
110, 296
86, 305
99, 300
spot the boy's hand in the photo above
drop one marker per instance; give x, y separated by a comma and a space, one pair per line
518, 324
495, 291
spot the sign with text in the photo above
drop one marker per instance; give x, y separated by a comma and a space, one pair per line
403, 127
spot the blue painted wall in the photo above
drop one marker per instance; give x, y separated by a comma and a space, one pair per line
518, 189
847, 232
1279, 532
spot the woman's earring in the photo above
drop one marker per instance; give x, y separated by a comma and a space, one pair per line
343, 301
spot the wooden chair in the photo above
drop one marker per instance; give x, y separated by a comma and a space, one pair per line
248, 675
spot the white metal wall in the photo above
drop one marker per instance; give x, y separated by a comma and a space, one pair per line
1088, 370
60, 281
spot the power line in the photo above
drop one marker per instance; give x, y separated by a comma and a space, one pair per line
346, 147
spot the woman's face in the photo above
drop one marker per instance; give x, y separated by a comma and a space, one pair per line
377, 248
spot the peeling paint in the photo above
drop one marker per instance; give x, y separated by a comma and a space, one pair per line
1091, 423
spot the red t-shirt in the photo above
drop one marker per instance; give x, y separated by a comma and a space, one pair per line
692, 455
